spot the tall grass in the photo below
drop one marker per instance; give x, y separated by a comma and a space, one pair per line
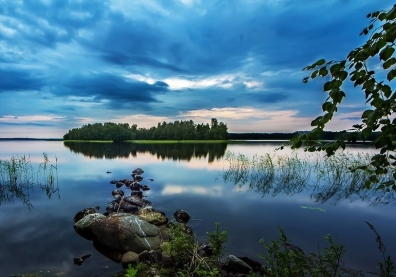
326, 178
18, 177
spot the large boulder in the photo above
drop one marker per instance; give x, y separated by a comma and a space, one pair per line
84, 227
127, 232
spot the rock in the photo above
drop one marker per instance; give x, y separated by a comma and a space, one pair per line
129, 208
137, 193
144, 187
154, 257
144, 255
108, 252
127, 232
84, 227
155, 218
117, 198
236, 265
119, 184
80, 260
138, 171
117, 191
205, 250
113, 207
128, 183
135, 186
83, 213
129, 257
137, 178
255, 265
136, 200
181, 216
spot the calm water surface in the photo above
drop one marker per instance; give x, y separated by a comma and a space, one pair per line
188, 177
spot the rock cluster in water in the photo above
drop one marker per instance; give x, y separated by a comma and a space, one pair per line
131, 230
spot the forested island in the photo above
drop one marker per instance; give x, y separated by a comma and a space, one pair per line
178, 130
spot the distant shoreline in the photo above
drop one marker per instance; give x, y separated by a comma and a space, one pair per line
326, 136
55, 139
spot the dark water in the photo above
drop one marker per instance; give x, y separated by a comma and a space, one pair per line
186, 176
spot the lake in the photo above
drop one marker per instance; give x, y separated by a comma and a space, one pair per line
192, 177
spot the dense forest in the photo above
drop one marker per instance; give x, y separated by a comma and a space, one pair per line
178, 130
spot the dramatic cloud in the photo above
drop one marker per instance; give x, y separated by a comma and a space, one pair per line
68, 63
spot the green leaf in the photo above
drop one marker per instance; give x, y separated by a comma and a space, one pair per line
386, 53
391, 75
314, 74
323, 71
320, 62
337, 95
380, 43
316, 121
327, 86
326, 106
366, 131
343, 75
382, 16
366, 113
334, 68
387, 90
389, 63
358, 65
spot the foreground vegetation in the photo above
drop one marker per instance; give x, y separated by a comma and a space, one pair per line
281, 259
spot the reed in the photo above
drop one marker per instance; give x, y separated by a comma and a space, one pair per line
337, 177
18, 177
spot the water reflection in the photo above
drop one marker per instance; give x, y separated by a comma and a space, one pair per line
19, 177
173, 151
324, 179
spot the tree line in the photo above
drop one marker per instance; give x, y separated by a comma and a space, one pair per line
177, 130
326, 135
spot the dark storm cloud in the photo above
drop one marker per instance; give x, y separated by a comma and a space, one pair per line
270, 98
122, 59
44, 24
19, 79
119, 91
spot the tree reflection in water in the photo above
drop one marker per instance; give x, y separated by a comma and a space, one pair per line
174, 151
324, 178
18, 177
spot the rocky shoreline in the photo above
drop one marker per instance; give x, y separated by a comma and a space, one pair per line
132, 232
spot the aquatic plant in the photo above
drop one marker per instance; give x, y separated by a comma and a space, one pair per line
326, 178
386, 266
18, 176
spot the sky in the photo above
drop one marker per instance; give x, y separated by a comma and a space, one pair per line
67, 63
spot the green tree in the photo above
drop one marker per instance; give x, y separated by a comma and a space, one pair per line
378, 53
